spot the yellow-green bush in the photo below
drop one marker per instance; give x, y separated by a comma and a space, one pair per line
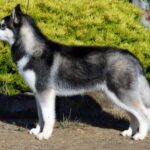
80, 22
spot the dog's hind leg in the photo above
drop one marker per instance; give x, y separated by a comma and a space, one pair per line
46, 102
134, 125
144, 89
131, 102
140, 112
148, 110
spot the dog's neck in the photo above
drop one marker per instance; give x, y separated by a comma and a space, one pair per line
27, 43
32, 44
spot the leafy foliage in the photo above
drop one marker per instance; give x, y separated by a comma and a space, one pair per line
99, 22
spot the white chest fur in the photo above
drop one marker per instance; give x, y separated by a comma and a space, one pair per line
28, 75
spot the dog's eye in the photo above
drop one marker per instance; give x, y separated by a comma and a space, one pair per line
3, 26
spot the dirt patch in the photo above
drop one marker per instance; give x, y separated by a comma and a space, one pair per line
82, 125
75, 137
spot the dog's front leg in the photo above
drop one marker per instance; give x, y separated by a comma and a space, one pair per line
46, 104
40, 123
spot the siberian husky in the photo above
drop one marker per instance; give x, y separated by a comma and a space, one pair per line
52, 69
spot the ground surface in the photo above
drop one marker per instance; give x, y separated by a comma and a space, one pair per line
81, 137
99, 133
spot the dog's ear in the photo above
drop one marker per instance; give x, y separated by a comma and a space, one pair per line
16, 14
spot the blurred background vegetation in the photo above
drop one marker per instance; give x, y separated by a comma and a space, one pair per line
80, 22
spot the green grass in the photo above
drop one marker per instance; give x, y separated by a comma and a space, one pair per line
98, 22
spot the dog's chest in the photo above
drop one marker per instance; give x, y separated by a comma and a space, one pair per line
28, 74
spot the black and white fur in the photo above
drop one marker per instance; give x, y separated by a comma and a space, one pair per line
52, 69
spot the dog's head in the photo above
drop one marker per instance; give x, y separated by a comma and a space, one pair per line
10, 25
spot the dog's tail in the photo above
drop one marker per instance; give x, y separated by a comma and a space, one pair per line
144, 89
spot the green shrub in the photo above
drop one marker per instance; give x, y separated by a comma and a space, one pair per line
81, 22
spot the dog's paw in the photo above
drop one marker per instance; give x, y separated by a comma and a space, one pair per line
127, 132
35, 131
43, 136
139, 136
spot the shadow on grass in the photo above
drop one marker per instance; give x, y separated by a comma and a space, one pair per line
21, 110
